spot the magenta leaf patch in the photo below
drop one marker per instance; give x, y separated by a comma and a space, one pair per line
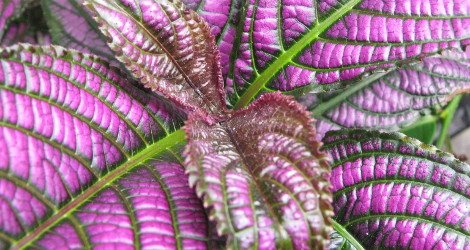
315, 46
168, 47
261, 175
9, 10
79, 145
73, 27
398, 98
392, 191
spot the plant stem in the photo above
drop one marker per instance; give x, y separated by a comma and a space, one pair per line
343, 232
447, 115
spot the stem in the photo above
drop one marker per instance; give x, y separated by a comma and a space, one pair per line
447, 116
347, 236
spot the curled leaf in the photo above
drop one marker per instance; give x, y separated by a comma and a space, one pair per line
262, 175
391, 191
168, 47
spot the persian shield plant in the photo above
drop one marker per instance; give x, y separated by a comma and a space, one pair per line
241, 124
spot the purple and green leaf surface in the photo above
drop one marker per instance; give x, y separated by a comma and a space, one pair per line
9, 10
391, 191
392, 100
167, 47
262, 175
87, 158
311, 46
72, 27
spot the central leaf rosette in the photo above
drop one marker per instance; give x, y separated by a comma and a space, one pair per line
262, 174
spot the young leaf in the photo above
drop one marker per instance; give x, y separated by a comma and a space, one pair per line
304, 46
391, 191
84, 152
168, 47
262, 175
222, 17
397, 98
73, 27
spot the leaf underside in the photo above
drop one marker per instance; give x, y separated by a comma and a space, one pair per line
86, 158
391, 191
168, 47
262, 175
396, 99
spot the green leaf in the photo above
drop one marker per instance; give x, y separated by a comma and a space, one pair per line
424, 129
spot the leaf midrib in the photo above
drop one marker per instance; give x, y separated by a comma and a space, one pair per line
289, 54
207, 101
149, 152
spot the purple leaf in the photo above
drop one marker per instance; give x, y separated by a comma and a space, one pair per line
301, 46
77, 141
9, 10
73, 27
168, 47
399, 97
262, 175
222, 17
16, 33
391, 191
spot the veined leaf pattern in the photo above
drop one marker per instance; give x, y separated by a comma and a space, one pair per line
10, 9
168, 47
86, 158
223, 18
262, 175
71, 26
16, 33
392, 191
312, 46
397, 98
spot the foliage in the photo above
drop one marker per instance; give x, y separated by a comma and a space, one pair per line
162, 124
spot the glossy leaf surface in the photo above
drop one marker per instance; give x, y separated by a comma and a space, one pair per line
168, 47
397, 98
86, 158
391, 191
262, 175
73, 27
313, 46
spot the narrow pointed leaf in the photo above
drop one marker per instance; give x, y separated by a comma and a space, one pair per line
168, 47
398, 98
313, 46
391, 191
86, 158
262, 175
223, 18
73, 27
